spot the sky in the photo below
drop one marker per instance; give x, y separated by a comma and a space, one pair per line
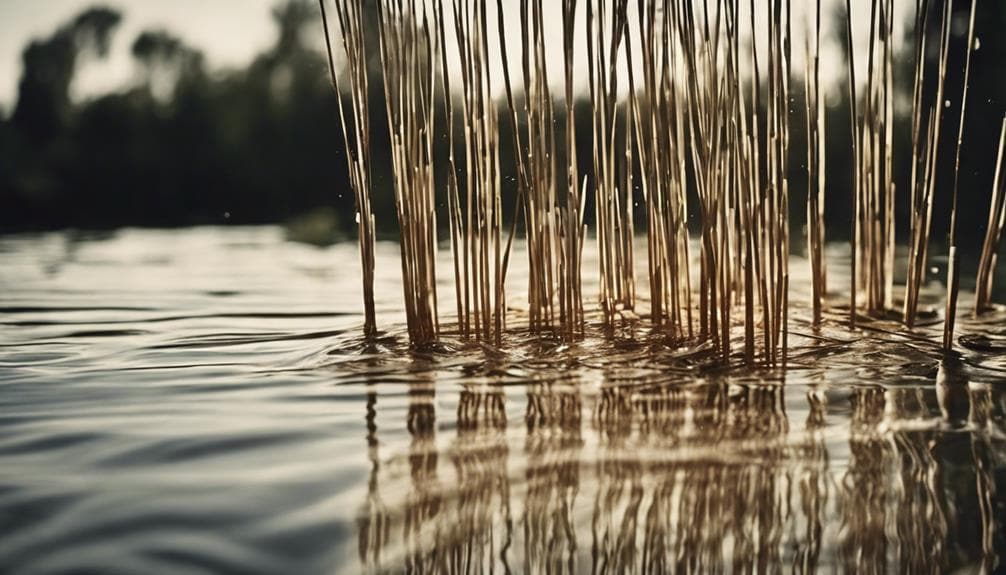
232, 32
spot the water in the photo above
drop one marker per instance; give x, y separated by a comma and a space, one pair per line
201, 401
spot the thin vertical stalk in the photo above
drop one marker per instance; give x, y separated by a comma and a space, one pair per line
993, 231
357, 148
953, 271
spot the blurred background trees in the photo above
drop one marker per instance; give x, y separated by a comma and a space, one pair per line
181, 146
184, 145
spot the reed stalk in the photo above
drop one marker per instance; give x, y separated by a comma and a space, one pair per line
704, 115
573, 227
765, 199
484, 262
357, 148
874, 166
606, 24
408, 62
993, 232
538, 176
658, 133
779, 91
925, 153
706, 127
815, 169
953, 265
461, 290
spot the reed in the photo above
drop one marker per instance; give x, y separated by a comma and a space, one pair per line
953, 265
357, 148
874, 166
606, 25
480, 222
815, 108
658, 129
925, 146
764, 189
408, 63
456, 232
701, 129
778, 193
707, 124
993, 232
705, 115
854, 121
537, 176
572, 215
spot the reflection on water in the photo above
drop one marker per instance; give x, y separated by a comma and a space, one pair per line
714, 477
213, 409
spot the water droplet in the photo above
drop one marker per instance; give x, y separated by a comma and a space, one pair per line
357, 218
946, 104
227, 215
978, 43
934, 270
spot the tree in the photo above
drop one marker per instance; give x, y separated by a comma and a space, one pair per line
49, 67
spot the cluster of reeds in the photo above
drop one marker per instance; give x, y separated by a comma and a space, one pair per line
350, 21
572, 214
704, 115
537, 181
926, 129
738, 162
476, 227
698, 126
815, 109
408, 61
660, 128
606, 30
874, 160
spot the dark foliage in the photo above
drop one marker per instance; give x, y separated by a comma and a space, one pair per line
185, 146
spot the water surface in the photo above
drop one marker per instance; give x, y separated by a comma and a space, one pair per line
201, 400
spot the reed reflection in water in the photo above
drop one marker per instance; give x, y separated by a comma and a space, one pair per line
571, 477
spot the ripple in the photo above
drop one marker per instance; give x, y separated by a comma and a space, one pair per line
232, 418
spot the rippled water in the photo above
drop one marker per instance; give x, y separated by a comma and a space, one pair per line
201, 401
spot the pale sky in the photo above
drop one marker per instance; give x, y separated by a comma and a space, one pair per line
231, 32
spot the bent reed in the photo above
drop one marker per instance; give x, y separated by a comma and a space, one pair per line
708, 115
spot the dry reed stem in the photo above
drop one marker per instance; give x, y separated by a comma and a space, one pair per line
953, 271
698, 117
548, 254
453, 197
874, 166
358, 148
605, 32
925, 153
658, 134
573, 222
815, 110
993, 231
854, 117
484, 263
408, 57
